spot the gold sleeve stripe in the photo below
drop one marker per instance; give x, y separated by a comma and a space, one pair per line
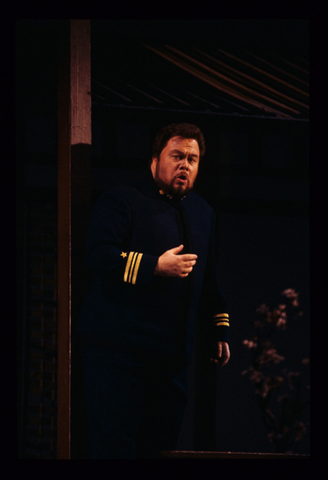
222, 315
218, 324
127, 267
132, 267
136, 268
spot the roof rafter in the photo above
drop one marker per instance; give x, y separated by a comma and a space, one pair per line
227, 88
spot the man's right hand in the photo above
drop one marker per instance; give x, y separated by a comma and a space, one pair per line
170, 264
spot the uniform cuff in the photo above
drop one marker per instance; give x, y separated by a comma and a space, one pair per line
221, 326
139, 268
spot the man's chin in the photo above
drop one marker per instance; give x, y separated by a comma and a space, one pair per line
174, 190
180, 191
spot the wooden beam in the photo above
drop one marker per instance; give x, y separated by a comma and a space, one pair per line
74, 143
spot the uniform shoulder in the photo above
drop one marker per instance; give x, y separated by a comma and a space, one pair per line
198, 200
118, 192
126, 188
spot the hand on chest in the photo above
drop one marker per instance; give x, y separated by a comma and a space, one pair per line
167, 227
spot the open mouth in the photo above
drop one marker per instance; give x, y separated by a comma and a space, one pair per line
182, 177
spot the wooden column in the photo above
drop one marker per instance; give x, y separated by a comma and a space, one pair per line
74, 145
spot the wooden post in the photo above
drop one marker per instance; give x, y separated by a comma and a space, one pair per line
74, 144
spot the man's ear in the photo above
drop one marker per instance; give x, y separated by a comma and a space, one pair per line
153, 165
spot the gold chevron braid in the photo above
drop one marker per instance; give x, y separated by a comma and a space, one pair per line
136, 268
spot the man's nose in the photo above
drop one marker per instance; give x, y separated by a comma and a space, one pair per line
184, 164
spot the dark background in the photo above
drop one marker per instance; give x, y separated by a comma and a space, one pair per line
257, 184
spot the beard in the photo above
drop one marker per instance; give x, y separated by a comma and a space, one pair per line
171, 189
175, 191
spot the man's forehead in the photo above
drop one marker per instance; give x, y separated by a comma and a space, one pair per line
181, 142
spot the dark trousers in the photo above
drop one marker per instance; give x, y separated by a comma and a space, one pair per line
134, 408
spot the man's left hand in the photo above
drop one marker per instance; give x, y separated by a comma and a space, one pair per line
222, 354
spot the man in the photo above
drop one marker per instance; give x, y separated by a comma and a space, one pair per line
151, 247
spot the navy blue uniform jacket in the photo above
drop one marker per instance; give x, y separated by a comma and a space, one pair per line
130, 309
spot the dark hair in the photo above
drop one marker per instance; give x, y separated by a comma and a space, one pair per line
184, 130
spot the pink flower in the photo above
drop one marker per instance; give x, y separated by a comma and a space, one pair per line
249, 344
292, 295
281, 322
262, 308
270, 354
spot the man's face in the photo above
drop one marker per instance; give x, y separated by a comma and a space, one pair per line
177, 167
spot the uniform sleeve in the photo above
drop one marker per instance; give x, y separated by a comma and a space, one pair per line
107, 248
213, 302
